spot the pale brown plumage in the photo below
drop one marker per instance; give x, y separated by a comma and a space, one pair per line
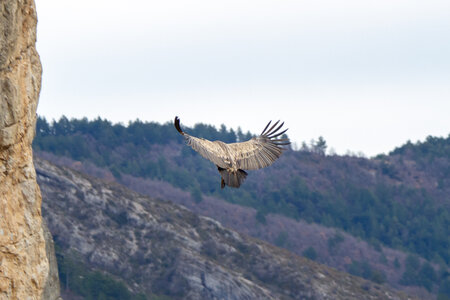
232, 159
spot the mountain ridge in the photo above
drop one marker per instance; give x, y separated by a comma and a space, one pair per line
159, 248
299, 235
397, 201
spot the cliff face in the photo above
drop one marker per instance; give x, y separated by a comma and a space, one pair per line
24, 265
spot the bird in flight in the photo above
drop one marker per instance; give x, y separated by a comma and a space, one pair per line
232, 159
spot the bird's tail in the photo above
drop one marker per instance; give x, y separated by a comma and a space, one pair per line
232, 179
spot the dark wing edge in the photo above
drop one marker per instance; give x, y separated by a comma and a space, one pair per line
177, 125
263, 150
209, 150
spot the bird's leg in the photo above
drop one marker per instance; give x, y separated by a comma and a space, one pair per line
222, 183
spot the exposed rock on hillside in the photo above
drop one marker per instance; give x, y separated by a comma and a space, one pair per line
295, 235
51, 288
161, 248
23, 262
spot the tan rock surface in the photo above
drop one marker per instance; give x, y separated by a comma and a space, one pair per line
23, 262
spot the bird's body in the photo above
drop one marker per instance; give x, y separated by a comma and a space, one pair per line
232, 159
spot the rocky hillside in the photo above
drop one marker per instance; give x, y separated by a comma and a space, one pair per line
325, 245
385, 218
158, 249
24, 267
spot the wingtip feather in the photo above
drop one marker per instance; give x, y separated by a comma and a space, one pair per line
177, 125
262, 133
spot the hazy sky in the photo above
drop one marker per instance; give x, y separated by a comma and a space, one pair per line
365, 75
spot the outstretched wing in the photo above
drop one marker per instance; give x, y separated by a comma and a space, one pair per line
261, 151
212, 151
209, 150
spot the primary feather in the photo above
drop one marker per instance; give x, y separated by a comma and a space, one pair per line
256, 153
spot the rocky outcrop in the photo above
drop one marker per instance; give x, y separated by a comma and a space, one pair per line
51, 288
24, 266
157, 247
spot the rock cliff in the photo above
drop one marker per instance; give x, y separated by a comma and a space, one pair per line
24, 266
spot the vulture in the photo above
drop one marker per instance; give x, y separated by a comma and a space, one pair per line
232, 159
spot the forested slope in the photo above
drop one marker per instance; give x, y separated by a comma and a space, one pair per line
399, 200
135, 248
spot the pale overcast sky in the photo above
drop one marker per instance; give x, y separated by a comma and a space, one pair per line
365, 75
